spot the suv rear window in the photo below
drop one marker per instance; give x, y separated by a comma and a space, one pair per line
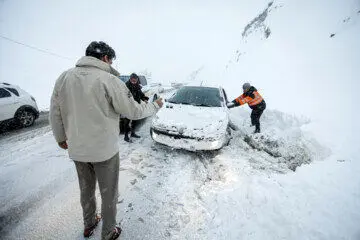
14, 91
4, 93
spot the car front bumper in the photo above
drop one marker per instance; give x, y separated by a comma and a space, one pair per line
188, 143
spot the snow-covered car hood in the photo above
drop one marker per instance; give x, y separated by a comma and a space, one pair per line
188, 120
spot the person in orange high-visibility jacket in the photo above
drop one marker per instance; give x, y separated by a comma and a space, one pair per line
255, 102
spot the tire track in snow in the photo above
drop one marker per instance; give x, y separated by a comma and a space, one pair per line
13, 134
165, 197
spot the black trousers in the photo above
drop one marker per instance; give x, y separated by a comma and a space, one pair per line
256, 113
129, 126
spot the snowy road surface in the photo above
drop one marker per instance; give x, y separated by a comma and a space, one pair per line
41, 122
12, 212
247, 190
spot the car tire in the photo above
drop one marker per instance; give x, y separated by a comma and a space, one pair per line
25, 118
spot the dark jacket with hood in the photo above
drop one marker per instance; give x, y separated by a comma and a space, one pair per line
135, 90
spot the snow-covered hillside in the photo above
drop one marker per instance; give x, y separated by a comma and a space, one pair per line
308, 65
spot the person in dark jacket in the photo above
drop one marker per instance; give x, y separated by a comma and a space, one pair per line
135, 88
255, 102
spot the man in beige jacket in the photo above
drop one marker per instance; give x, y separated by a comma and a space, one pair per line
84, 115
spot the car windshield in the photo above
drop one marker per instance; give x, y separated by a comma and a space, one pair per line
197, 96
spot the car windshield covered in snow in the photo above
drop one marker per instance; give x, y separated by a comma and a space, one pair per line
197, 96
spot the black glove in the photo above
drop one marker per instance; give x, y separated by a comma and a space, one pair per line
236, 104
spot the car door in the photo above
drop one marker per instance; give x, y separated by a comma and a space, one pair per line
7, 105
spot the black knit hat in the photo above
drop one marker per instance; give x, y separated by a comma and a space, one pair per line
133, 75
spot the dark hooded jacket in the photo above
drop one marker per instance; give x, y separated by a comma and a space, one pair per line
135, 90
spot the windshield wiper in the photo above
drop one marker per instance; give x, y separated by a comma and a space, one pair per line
203, 105
187, 103
184, 103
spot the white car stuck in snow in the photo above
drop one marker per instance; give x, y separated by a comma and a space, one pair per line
194, 118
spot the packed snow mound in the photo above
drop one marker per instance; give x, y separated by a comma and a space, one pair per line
281, 146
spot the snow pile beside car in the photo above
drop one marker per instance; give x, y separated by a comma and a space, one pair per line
283, 145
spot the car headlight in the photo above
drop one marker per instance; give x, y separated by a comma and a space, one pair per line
153, 135
215, 143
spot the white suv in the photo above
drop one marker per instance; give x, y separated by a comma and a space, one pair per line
18, 105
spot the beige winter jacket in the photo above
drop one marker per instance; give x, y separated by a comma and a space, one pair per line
85, 107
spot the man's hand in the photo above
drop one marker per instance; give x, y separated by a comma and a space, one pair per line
160, 102
63, 145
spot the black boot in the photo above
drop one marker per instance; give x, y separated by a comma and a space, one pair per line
257, 130
133, 134
126, 138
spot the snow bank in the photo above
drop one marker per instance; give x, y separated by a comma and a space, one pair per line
282, 145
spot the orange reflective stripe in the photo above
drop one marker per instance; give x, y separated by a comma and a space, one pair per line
242, 100
251, 101
258, 99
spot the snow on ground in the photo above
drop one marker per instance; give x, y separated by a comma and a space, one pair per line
299, 179
239, 192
